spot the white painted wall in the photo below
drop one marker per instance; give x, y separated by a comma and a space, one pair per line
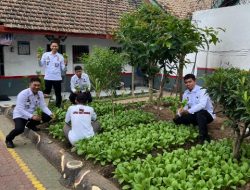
21, 65
234, 48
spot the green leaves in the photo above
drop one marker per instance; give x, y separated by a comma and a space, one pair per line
56, 130
102, 66
65, 56
230, 88
40, 51
38, 111
197, 168
123, 119
123, 145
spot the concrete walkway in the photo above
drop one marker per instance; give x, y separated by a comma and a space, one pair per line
65, 95
24, 168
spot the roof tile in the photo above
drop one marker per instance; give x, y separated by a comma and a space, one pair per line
71, 16
184, 9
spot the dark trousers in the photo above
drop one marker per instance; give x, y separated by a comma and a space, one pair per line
200, 118
72, 97
56, 84
20, 124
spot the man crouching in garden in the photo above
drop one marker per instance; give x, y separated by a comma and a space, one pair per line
80, 117
24, 114
199, 108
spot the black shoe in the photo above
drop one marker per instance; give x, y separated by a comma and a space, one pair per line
9, 144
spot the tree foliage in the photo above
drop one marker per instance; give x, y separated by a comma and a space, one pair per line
154, 39
231, 89
103, 67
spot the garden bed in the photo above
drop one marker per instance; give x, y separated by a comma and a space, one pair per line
152, 135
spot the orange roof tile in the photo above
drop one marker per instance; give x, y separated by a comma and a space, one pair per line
69, 16
184, 8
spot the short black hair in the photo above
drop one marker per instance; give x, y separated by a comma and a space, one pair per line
77, 68
82, 98
35, 79
55, 41
189, 76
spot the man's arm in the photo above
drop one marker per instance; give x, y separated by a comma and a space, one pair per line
93, 115
67, 117
183, 110
20, 105
42, 61
88, 82
72, 85
63, 63
43, 105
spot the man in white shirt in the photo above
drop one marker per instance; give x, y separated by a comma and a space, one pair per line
80, 83
23, 115
80, 117
199, 108
53, 64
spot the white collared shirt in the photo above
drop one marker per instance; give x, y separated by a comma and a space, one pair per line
80, 117
27, 102
82, 83
198, 100
53, 65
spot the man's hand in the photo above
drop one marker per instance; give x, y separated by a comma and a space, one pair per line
184, 112
52, 116
181, 112
36, 118
65, 62
39, 56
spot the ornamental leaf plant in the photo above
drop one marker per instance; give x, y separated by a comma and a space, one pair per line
231, 89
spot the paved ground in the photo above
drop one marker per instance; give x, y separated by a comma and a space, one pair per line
65, 95
24, 168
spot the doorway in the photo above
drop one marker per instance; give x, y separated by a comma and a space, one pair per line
1, 61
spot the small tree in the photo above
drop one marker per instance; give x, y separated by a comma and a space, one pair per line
157, 40
231, 89
103, 67
188, 39
146, 37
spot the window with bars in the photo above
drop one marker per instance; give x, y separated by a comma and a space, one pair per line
23, 47
78, 51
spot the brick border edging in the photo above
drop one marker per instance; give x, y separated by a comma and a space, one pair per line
85, 179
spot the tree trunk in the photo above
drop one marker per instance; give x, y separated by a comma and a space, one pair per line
150, 89
237, 148
163, 81
133, 81
97, 93
237, 143
180, 76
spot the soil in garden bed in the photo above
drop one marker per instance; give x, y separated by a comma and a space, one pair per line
215, 129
